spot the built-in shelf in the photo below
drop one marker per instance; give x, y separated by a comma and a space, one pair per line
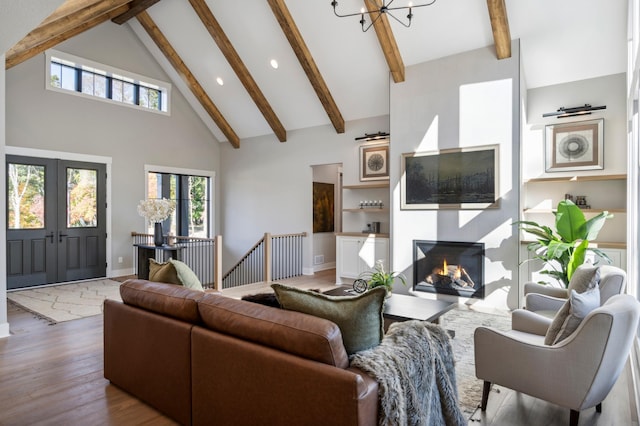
367, 186
597, 244
361, 234
367, 210
577, 178
584, 210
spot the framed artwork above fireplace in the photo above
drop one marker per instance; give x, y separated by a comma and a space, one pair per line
460, 178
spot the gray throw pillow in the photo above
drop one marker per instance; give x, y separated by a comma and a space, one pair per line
585, 277
358, 317
581, 305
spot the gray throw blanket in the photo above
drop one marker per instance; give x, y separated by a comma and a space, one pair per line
414, 368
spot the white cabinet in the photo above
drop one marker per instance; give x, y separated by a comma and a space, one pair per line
356, 254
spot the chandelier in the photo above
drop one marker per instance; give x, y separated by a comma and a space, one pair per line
385, 9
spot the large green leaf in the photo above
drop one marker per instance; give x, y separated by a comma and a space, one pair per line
570, 221
595, 224
577, 258
557, 249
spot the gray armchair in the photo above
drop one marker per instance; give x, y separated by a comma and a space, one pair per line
576, 373
547, 300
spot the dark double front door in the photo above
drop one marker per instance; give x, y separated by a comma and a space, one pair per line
56, 211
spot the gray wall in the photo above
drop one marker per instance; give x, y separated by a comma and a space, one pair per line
48, 120
267, 186
469, 99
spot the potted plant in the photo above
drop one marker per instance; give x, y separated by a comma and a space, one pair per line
379, 277
565, 249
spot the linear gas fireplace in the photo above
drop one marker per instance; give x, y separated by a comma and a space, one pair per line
449, 267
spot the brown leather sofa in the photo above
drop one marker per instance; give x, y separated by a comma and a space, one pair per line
203, 358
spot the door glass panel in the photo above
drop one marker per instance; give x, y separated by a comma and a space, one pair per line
82, 198
25, 196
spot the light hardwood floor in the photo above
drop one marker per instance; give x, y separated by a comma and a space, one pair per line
52, 375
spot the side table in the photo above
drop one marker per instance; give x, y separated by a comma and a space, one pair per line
158, 253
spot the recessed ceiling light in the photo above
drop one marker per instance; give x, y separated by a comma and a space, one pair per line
274, 64
220, 81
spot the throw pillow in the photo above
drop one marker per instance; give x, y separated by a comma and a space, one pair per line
163, 272
186, 276
581, 305
358, 317
267, 299
585, 277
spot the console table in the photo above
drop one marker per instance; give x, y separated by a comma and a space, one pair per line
158, 253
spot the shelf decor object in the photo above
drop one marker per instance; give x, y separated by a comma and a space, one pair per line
574, 146
459, 178
374, 162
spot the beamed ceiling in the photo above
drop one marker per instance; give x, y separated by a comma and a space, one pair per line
329, 70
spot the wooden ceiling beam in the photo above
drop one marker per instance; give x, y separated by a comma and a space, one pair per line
387, 42
64, 20
309, 66
17, 55
230, 53
500, 28
174, 59
137, 6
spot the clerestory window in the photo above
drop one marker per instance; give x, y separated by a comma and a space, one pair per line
71, 74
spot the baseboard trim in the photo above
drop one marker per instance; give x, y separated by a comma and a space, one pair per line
324, 267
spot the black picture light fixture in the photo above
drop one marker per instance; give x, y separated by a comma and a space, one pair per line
563, 112
373, 136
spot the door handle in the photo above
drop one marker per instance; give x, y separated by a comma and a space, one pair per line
51, 235
60, 237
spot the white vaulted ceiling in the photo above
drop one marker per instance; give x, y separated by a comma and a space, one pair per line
560, 42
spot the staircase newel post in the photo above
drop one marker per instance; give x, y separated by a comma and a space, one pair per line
217, 263
267, 257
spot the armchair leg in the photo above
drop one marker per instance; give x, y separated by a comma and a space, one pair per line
485, 395
599, 408
573, 418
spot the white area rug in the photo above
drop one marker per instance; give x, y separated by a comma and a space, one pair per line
67, 302
464, 322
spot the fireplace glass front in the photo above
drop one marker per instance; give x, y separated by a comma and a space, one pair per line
449, 267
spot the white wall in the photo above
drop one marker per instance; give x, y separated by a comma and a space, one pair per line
469, 99
324, 243
48, 120
267, 186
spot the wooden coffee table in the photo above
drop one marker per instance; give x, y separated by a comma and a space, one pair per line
401, 307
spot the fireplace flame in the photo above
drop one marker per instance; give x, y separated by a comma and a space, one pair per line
445, 269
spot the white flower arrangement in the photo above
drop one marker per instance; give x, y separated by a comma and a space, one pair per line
156, 210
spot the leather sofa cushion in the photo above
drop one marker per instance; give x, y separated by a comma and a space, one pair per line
166, 299
299, 334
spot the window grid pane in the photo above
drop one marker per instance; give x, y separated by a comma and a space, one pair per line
82, 198
25, 196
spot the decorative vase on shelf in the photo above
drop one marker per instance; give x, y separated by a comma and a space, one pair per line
158, 239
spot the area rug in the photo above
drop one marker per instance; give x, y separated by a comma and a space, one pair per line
67, 301
463, 321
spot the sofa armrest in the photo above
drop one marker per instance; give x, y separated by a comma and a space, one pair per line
529, 322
